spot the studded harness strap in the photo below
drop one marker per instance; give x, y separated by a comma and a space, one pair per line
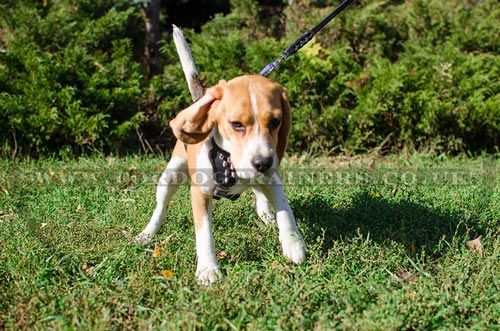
224, 173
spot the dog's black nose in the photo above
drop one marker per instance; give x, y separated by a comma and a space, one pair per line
262, 163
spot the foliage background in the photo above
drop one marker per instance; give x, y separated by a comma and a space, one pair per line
384, 76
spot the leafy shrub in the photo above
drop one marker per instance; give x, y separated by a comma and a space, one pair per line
384, 75
400, 75
68, 79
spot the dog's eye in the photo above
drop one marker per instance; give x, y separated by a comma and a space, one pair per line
237, 126
274, 123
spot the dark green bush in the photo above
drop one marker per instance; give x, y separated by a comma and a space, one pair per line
384, 75
69, 78
400, 75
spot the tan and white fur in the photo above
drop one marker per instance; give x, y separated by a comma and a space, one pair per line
248, 116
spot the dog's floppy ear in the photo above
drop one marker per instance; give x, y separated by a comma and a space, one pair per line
286, 123
193, 124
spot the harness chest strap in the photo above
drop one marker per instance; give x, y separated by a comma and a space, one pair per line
224, 172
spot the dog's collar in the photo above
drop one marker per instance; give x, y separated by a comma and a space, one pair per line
224, 173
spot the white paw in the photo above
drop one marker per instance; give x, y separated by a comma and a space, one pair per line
294, 248
267, 218
208, 274
263, 209
143, 238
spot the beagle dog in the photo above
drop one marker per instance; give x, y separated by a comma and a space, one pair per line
230, 140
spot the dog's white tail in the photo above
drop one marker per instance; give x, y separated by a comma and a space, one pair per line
193, 79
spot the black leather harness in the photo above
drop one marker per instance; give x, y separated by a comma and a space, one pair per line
224, 173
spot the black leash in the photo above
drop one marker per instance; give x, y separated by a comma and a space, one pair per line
304, 39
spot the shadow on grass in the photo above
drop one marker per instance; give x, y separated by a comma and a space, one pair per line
418, 227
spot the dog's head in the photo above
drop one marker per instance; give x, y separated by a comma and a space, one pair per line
252, 115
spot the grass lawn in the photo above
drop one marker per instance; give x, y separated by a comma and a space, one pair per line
387, 249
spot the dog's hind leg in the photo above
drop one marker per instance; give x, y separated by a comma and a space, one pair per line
262, 206
173, 176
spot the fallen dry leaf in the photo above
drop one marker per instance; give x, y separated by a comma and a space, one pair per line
475, 245
159, 246
157, 250
405, 276
221, 255
274, 265
80, 209
87, 269
167, 273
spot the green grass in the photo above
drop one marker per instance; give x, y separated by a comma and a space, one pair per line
386, 249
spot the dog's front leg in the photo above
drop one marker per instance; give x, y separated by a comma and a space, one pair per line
262, 207
207, 270
289, 235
